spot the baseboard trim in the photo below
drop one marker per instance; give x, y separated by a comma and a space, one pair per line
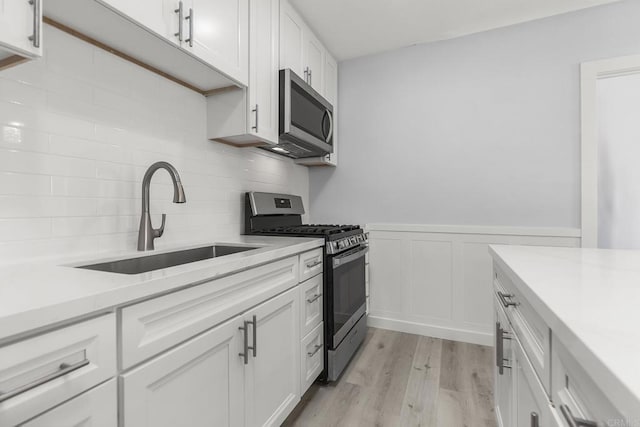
462, 335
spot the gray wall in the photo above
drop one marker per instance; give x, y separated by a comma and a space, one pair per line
483, 129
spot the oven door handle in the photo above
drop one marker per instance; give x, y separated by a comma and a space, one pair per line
337, 262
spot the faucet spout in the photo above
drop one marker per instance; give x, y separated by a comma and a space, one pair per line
147, 233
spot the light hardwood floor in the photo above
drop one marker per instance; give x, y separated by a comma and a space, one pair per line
399, 379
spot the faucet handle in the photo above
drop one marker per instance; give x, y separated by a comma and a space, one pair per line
160, 231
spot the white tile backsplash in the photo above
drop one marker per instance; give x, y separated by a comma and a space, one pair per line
78, 130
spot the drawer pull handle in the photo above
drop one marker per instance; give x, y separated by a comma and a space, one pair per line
535, 421
254, 348
504, 299
313, 264
314, 298
245, 346
500, 349
63, 369
315, 350
574, 421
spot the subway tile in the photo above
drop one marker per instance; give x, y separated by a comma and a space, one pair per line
16, 92
24, 229
71, 168
24, 184
93, 225
24, 139
45, 164
34, 207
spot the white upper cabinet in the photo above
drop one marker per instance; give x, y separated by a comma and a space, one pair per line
250, 117
263, 78
300, 49
217, 31
212, 35
313, 62
292, 28
20, 29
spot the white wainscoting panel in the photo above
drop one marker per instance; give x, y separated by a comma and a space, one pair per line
436, 280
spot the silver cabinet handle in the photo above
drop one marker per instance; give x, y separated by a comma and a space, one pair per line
315, 350
190, 19
504, 297
254, 348
313, 264
535, 422
314, 298
310, 77
180, 13
500, 349
35, 37
575, 421
63, 369
255, 110
245, 353
306, 75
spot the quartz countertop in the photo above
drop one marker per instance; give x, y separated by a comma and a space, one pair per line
590, 298
37, 294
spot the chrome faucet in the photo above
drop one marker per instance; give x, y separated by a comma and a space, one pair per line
147, 233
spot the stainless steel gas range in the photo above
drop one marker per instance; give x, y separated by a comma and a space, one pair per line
344, 271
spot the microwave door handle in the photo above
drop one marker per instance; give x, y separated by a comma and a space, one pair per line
328, 136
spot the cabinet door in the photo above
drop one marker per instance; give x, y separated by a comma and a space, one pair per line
199, 383
217, 31
273, 373
263, 69
503, 381
17, 24
159, 16
531, 405
291, 35
97, 408
314, 61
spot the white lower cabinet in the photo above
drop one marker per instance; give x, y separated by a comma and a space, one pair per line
503, 378
96, 408
311, 357
196, 384
272, 377
531, 405
243, 372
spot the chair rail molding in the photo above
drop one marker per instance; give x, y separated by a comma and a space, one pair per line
435, 280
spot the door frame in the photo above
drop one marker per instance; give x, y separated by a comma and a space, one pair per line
590, 73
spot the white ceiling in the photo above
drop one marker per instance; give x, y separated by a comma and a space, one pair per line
352, 28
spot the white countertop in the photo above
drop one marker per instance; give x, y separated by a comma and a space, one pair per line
41, 293
590, 298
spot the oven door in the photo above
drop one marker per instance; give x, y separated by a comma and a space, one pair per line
346, 293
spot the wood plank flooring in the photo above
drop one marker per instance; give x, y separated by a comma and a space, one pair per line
399, 379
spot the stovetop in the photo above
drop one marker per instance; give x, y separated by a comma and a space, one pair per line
313, 229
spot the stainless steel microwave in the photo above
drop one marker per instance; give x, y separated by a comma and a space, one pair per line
306, 119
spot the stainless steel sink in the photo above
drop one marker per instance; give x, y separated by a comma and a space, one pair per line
166, 260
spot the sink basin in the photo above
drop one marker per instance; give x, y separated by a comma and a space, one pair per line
171, 259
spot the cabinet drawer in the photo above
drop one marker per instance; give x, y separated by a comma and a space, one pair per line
575, 394
155, 325
310, 264
41, 372
532, 331
97, 407
311, 303
312, 357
